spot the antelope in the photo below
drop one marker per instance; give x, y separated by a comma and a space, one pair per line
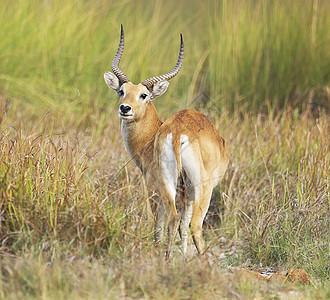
181, 159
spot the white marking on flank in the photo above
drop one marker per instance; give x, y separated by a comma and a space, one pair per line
191, 164
169, 166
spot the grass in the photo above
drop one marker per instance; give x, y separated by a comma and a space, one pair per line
73, 215
64, 198
238, 53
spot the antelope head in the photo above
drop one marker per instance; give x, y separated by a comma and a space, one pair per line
135, 98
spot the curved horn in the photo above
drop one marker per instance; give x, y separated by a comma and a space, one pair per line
151, 81
115, 63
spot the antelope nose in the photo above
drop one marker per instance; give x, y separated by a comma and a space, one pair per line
124, 108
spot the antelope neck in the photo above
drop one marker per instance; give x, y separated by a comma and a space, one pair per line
139, 136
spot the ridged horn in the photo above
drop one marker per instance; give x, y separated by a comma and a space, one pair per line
115, 63
151, 81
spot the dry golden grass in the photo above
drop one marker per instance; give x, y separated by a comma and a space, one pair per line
73, 203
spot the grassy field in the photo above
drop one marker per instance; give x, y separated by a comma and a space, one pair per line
73, 214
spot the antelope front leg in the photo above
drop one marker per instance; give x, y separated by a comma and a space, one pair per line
160, 223
172, 231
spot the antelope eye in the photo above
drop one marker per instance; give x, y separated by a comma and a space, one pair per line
121, 93
143, 96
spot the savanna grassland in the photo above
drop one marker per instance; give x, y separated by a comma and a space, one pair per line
74, 221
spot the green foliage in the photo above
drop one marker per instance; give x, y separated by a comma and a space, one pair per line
239, 54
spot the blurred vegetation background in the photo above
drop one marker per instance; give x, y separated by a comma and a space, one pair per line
246, 55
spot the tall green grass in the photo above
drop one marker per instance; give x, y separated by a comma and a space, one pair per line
267, 51
238, 53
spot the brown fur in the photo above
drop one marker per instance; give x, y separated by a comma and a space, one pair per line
145, 136
199, 129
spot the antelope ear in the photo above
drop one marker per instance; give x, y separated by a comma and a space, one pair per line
159, 89
112, 81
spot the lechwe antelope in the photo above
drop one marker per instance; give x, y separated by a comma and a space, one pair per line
183, 157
